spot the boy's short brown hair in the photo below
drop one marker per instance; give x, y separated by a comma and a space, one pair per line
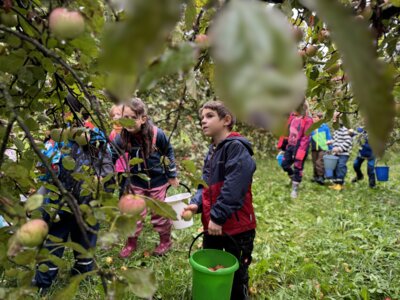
222, 111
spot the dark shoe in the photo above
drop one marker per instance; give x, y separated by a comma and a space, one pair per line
355, 179
130, 246
320, 180
164, 246
43, 291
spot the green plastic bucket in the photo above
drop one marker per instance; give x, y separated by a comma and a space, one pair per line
207, 284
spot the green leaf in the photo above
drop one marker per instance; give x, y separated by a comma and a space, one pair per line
68, 163
127, 122
25, 257
34, 202
43, 268
135, 161
173, 60
76, 247
32, 124
141, 282
257, 68
364, 293
371, 80
25, 75
51, 187
161, 208
126, 225
143, 176
314, 126
190, 14
130, 44
11, 63
13, 41
48, 65
54, 239
86, 44
189, 166
19, 144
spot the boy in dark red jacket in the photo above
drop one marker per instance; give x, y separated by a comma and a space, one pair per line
226, 204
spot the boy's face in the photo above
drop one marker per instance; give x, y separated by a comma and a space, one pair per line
139, 120
212, 124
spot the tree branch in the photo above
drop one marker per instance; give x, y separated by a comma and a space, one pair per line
5, 139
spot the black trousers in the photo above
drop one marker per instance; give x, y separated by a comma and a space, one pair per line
244, 242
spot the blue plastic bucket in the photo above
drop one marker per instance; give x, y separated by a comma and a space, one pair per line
328, 173
279, 158
330, 162
382, 173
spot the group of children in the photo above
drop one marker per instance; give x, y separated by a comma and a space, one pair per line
225, 204
299, 141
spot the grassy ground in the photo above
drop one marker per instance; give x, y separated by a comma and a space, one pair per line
323, 245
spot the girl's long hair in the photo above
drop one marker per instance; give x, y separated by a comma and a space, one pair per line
146, 131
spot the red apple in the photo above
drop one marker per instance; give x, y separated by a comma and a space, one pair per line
131, 204
66, 24
323, 35
311, 50
32, 233
202, 40
187, 215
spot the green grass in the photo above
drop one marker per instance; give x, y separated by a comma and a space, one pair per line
323, 245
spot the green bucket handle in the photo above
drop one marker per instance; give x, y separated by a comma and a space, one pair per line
203, 232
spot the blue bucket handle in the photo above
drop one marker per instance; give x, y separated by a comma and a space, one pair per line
203, 232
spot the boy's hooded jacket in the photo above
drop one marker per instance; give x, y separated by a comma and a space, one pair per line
228, 171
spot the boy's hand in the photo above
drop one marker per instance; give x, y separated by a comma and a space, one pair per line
191, 207
214, 229
174, 182
336, 150
330, 142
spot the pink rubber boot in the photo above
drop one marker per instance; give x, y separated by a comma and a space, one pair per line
130, 246
164, 246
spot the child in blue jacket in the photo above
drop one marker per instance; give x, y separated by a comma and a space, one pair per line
95, 158
320, 139
365, 153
